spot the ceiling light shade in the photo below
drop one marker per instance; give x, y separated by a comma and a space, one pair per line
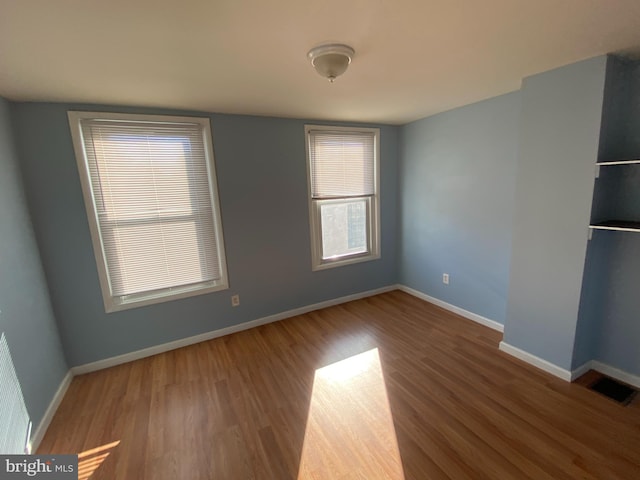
332, 60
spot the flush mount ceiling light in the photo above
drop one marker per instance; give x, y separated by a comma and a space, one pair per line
331, 60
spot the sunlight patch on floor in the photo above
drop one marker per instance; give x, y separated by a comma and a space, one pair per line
90, 460
350, 432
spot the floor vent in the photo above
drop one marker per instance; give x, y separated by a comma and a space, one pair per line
615, 390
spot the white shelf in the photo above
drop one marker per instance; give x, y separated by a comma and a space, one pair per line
617, 225
618, 162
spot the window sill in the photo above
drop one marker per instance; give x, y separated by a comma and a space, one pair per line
117, 304
341, 262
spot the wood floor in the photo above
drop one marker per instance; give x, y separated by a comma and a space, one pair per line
419, 393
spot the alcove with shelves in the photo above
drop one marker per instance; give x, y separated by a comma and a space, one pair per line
608, 328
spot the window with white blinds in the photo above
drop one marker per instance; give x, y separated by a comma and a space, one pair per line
151, 195
343, 194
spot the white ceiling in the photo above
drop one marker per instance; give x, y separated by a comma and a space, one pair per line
413, 58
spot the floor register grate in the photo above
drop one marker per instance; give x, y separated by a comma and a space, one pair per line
615, 390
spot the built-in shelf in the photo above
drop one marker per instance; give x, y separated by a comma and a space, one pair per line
618, 162
618, 225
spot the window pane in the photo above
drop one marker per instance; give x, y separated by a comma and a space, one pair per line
157, 182
344, 228
342, 164
156, 255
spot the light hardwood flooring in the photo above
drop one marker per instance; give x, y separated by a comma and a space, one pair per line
419, 393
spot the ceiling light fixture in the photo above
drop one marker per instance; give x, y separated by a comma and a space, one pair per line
331, 60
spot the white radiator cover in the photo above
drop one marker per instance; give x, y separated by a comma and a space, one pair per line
15, 425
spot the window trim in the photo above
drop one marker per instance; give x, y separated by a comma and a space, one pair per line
118, 303
373, 220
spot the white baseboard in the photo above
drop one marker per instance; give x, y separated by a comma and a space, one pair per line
581, 370
452, 308
621, 375
50, 412
183, 342
570, 376
536, 361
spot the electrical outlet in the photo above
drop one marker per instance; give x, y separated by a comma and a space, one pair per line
235, 300
445, 278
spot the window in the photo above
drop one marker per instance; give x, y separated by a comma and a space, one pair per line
151, 195
343, 194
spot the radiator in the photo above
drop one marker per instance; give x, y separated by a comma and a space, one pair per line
15, 425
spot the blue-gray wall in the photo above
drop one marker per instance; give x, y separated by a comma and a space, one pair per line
457, 186
620, 136
263, 195
609, 322
618, 337
26, 317
558, 147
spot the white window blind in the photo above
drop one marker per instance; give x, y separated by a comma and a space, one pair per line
153, 193
14, 419
342, 163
